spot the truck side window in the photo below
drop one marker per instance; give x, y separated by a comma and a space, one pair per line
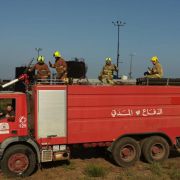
7, 109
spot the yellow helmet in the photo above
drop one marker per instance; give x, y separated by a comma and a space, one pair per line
41, 59
108, 59
154, 59
57, 54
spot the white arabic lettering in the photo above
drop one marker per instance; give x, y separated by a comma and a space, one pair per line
137, 112
159, 111
113, 113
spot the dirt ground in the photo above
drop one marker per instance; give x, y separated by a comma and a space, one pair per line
82, 159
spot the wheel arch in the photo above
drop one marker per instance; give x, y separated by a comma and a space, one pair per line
20, 140
141, 136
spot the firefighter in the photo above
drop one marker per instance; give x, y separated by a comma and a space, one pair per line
106, 75
156, 71
60, 65
42, 69
9, 112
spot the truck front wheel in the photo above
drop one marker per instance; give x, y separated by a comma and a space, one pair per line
126, 152
18, 160
155, 149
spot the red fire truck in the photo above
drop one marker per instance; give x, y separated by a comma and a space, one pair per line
130, 120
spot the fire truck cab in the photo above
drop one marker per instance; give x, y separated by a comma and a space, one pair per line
37, 133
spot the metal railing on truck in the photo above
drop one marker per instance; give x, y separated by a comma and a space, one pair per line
158, 81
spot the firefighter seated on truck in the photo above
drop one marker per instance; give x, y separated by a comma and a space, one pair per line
106, 75
41, 68
61, 67
156, 71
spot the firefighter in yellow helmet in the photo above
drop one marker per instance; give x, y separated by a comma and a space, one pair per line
106, 75
41, 68
156, 71
60, 65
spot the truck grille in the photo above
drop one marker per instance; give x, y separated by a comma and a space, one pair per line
46, 155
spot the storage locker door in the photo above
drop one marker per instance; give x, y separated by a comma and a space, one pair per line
51, 113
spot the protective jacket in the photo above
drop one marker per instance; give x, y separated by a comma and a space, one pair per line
156, 71
42, 69
61, 68
106, 75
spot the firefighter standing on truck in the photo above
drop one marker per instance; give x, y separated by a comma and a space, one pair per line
41, 68
156, 71
106, 75
60, 65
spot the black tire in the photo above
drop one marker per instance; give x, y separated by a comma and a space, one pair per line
18, 160
126, 152
142, 142
155, 149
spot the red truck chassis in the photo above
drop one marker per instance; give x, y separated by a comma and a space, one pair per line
129, 120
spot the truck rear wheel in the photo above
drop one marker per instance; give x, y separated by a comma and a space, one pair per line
126, 152
18, 160
155, 149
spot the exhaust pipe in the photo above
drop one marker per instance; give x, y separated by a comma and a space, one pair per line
57, 156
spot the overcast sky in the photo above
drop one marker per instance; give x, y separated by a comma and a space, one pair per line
83, 28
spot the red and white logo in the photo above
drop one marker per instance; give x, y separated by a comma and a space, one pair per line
22, 122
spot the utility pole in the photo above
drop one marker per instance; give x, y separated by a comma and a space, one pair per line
130, 66
118, 24
38, 50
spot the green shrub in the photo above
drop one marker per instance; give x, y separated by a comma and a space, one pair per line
93, 170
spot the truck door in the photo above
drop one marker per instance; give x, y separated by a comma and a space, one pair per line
51, 115
8, 124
